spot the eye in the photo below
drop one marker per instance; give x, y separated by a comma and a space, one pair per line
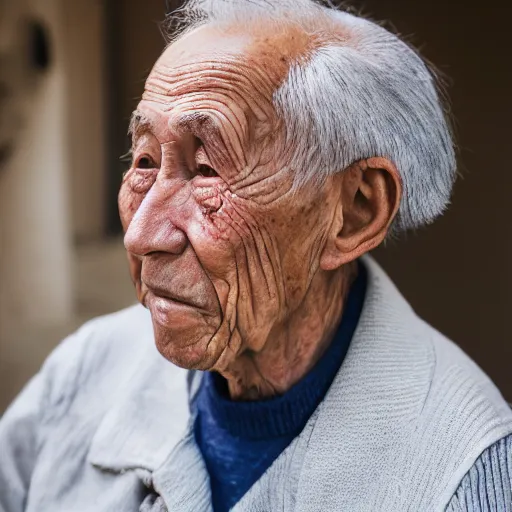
206, 171
145, 162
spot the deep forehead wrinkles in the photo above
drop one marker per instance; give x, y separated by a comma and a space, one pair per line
247, 86
235, 98
228, 76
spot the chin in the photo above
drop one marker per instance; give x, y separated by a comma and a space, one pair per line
183, 333
190, 348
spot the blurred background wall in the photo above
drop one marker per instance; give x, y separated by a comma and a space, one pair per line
63, 126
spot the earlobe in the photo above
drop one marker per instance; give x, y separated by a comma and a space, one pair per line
370, 196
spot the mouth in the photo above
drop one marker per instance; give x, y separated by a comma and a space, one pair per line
166, 296
163, 303
169, 311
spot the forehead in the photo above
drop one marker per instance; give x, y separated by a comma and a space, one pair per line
219, 66
204, 43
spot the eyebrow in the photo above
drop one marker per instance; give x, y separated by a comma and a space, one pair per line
202, 125
139, 123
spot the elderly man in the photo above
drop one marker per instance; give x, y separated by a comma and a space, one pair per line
276, 143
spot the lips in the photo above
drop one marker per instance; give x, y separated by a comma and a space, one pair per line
171, 314
163, 293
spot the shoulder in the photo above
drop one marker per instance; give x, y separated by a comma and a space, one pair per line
103, 348
452, 383
447, 373
110, 378
454, 410
61, 408
458, 386
464, 420
94, 368
488, 484
483, 422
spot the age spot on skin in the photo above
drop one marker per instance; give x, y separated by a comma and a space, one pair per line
212, 204
208, 194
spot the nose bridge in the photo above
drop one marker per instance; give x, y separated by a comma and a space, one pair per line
153, 227
178, 157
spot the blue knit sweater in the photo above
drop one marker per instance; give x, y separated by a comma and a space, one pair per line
240, 440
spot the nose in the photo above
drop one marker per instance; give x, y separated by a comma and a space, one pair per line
151, 229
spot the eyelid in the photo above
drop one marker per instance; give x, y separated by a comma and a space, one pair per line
147, 146
150, 165
138, 156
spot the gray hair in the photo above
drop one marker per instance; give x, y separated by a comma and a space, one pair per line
361, 93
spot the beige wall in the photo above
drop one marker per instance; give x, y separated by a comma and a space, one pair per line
34, 224
52, 189
86, 115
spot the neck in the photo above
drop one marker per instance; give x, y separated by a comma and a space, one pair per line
293, 347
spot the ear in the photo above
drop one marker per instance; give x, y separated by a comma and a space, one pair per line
368, 202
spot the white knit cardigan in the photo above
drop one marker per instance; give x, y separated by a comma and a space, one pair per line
107, 421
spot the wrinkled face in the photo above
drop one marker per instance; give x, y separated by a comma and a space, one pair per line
221, 252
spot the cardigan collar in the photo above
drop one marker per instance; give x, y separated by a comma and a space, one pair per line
152, 405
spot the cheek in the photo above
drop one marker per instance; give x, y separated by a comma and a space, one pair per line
213, 246
127, 204
211, 238
300, 234
223, 249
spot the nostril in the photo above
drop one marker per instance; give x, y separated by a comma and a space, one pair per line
142, 238
176, 241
